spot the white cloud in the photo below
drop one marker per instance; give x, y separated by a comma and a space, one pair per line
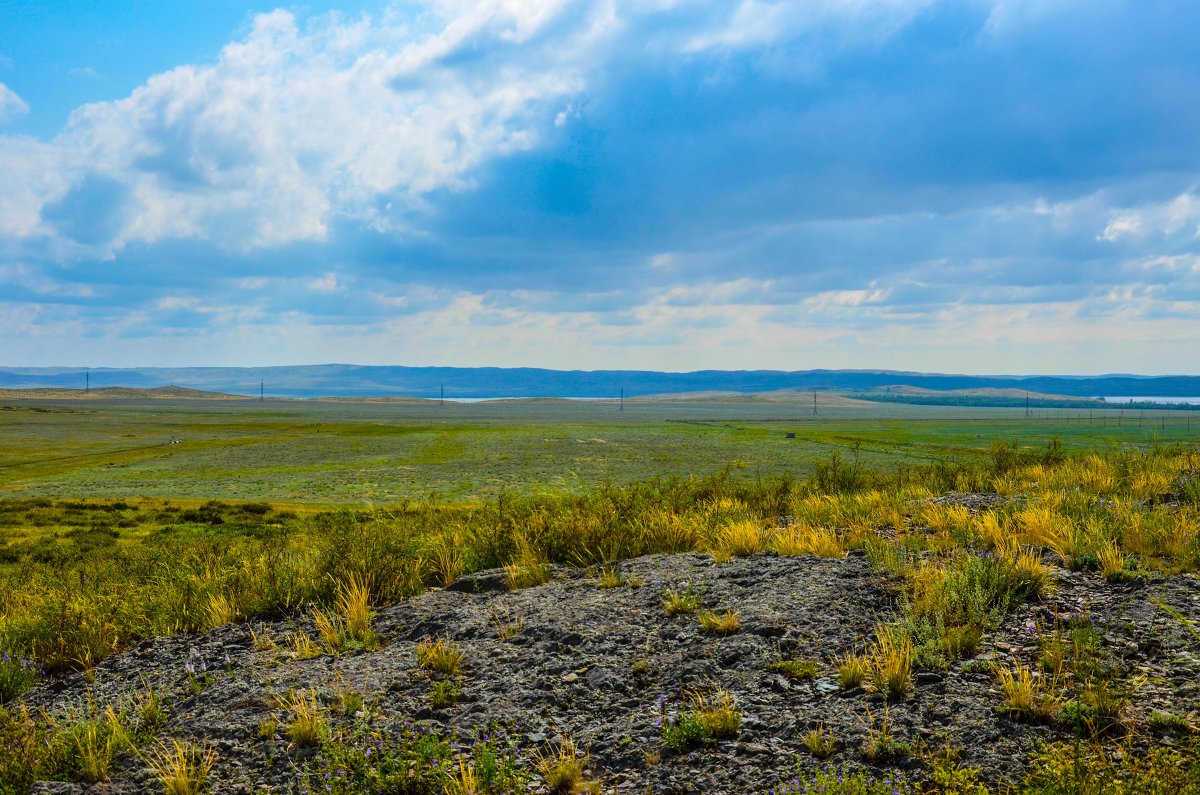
291, 129
20, 275
757, 23
1179, 216
30, 171
298, 125
846, 298
328, 283
10, 104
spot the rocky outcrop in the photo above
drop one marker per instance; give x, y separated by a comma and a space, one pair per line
605, 666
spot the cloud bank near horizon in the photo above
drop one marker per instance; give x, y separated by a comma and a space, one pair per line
682, 184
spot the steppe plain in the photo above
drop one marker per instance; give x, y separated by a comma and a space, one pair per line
653, 596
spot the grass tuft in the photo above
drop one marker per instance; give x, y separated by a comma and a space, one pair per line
307, 728
725, 623
440, 655
181, 767
563, 768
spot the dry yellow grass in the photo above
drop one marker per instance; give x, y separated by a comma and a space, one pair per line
1030, 694
741, 538
805, 539
181, 767
890, 660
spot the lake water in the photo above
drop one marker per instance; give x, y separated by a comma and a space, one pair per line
1195, 401
482, 399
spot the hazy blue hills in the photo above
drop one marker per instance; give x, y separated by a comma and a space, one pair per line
342, 380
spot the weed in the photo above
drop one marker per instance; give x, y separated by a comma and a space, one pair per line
797, 669
684, 601
354, 606
17, 675
446, 559
263, 641
806, 539
881, 745
331, 630
222, 610
466, 781
413, 760
684, 732
1169, 722
716, 711
1028, 694
741, 538
148, 705
841, 781
181, 767
562, 768
440, 655
706, 716
444, 692
307, 728
303, 646
609, 578
1112, 563
526, 569
719, 624
350, 702
505, 623
97, 736
890, 661
947, 775
852, 670
820, 742
1064, 768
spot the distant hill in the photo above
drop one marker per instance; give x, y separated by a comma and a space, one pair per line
343, 380
118, 392
824, 399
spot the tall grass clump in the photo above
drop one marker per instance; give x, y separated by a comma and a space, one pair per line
951, 601
181, 767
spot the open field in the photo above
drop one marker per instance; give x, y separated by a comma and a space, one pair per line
298, 594
343, 452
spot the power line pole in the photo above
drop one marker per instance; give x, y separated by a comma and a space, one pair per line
262, 391
442, 395
814, 402
622, 405
87, 380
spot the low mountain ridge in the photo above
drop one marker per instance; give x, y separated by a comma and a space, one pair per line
342, 380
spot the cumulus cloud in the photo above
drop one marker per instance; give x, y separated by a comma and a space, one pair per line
292, 128
10, 104
1176, 217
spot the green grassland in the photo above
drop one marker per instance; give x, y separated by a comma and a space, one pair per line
126, 519
343, 452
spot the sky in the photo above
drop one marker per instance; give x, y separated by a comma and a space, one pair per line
978, 186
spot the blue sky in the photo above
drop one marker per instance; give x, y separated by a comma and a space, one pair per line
980, 186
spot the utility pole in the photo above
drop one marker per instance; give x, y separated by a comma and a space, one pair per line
814, 402
262, 391
1027, 407
442, 395
87, 380
621, 407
